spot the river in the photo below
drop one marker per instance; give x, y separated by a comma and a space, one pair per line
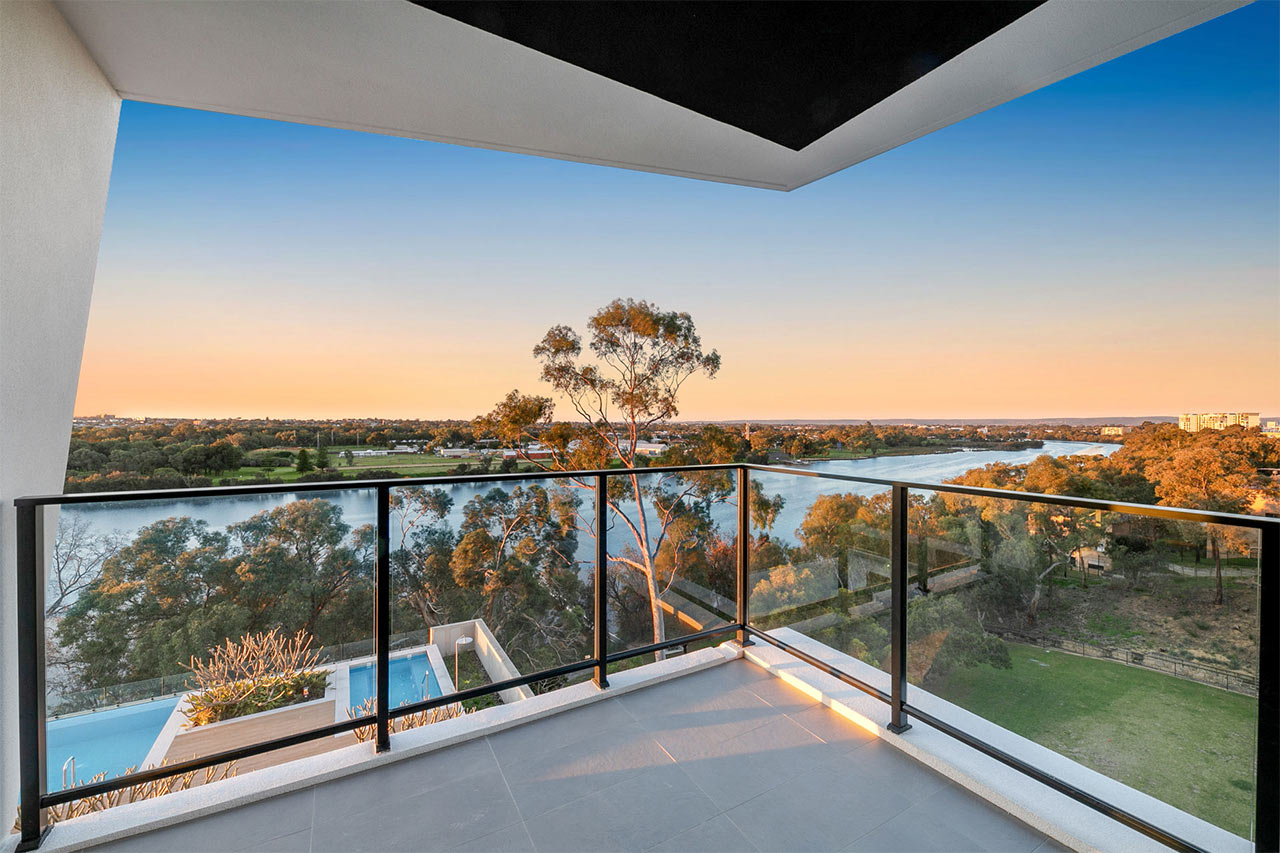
358, 508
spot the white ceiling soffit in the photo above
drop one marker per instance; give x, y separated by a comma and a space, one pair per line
387, 66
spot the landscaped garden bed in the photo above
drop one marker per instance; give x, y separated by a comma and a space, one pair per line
258, 672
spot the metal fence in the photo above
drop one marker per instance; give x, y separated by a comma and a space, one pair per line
35, 796
1215, 676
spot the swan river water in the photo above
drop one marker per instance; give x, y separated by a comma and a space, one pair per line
358, 505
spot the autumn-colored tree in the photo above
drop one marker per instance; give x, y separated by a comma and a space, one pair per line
783, 588
837, 525
1205, 477
1032, 540
920, 526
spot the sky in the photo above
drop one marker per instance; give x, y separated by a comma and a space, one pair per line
1108, 245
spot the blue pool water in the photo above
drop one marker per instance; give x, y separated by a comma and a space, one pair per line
411, 681
108, 741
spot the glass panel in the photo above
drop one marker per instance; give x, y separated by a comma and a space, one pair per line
820, 562
178, 629
489, 581
672, 559
1110, 638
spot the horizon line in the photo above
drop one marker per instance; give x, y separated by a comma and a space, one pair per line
707, 420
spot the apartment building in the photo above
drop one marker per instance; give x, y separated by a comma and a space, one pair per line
1196, 421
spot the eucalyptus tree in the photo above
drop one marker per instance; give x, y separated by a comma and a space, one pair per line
167, 595
623, 382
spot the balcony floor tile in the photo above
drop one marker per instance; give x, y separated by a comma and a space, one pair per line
240, 829
723, 759
823, 810
442, 818
718, 835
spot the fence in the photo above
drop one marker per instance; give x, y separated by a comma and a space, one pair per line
1215, 676
35, 798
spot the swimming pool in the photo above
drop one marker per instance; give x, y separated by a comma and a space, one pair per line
411, 677
108, 741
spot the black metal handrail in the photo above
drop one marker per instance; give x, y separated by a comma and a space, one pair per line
30, 601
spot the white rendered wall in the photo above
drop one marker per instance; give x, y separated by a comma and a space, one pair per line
58, 119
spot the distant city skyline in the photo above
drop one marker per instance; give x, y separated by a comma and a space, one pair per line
1103, 245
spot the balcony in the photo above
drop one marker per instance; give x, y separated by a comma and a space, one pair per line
723, 758
851, 685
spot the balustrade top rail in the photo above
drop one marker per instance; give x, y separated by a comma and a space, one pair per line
1152, 511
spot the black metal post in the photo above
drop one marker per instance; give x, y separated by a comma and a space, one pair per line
602, 566
31, 745
744, 554
898, 577
1266, 826
382, 620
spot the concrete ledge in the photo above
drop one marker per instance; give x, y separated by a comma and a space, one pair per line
136, 818
1062, 818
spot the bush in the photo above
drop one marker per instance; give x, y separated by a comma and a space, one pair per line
251, 481
380, 474
121, 481
948, 635
323, 477
133, 793
368, 708
257, 673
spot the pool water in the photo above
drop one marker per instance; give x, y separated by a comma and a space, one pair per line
411, 677
108, 741
115, 739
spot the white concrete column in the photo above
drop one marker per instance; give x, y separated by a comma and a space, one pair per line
58, 117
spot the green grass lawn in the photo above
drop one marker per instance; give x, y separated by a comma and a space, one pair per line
1185, 743
410, 465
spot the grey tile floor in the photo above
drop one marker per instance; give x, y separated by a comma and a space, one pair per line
725, 759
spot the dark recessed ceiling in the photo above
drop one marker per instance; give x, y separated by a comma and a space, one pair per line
788, 72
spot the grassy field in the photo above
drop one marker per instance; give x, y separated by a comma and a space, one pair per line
1182, 742
410, 465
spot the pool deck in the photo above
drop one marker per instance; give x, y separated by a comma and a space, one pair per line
256, 729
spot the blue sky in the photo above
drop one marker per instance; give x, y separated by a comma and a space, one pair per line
1106, 245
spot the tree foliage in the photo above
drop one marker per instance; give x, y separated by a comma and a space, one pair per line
623, 381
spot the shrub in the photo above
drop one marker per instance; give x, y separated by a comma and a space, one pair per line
329, 476
400, 724
131, 794
380, 474
258, 672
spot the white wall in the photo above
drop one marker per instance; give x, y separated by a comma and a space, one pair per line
58, 119
492, 656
